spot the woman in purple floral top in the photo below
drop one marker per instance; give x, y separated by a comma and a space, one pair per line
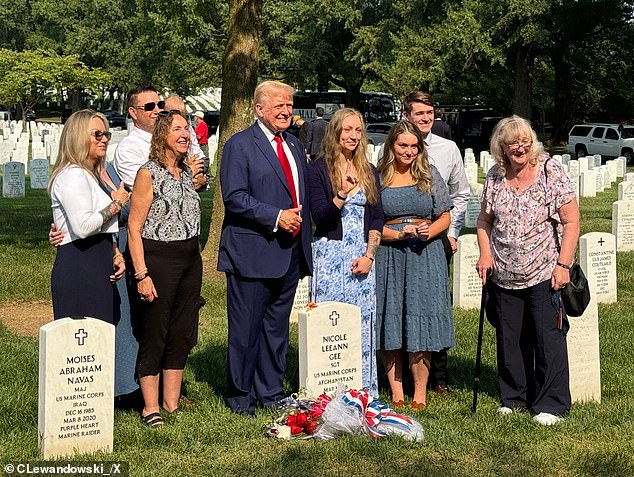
527, 233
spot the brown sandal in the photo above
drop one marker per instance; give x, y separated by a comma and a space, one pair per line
153, 420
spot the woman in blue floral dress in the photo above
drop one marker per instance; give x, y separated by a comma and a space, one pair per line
345, 203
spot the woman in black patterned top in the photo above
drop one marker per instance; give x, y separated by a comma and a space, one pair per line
164, 225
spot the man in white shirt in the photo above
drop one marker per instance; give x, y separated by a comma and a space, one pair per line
418, 107
144, 106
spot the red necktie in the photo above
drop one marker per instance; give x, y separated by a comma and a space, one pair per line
286, 167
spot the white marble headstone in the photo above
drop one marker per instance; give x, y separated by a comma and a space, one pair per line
620, 166
330, 347
623, 224
302, 297
626, 190
628, 176
583, 355
76, 387
13, 184
597, 257
467, 286
473, 206
587, 184
39, 173
599, 182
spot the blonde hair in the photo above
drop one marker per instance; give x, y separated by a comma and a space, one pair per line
419, 168
331, 149
266, 89
507, 131
158, 146
74, 144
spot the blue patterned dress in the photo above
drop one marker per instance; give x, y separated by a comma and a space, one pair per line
333, 280
413, 303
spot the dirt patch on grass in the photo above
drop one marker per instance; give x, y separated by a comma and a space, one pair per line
25, 319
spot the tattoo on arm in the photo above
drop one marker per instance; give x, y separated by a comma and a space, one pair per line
109, 211
374, 239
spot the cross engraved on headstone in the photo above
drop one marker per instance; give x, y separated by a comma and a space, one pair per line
334, 317
81, 335
601, 241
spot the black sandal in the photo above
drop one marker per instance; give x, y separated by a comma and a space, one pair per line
153, 420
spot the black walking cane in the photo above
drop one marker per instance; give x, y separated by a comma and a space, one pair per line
476, 377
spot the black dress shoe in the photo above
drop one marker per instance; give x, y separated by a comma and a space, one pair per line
441, 389
244, 412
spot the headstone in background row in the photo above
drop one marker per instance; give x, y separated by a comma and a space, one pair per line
599, 183
597, 160
597, 257
302, 297
565, 158
583, 355
573, 166
76, 387
621, 166
13, 184
471, 169
607, 183
5, 152
330, 347
467, 286
575, 185
628, 176
626, 190
587, 184
473, 206
584, 163
558, 158
39, 173
623, 225
613, 170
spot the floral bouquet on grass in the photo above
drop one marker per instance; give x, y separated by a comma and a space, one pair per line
349, 412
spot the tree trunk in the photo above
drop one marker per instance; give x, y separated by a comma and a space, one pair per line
239, 78
563, 76
523, 84
75, 99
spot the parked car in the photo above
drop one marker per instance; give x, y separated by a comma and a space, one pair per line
4, 113
609, 140
115, 119
377, 132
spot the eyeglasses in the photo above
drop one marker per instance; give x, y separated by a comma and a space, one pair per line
100, 134
514, 146
150, 106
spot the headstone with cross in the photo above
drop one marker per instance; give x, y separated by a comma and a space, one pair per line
597, 257
76, 387
330, 347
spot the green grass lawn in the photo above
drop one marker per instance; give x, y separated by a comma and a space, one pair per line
208, 440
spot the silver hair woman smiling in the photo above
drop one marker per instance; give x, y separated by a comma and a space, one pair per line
527, 234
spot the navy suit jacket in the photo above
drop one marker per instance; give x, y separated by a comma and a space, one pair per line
316, 135
254, 190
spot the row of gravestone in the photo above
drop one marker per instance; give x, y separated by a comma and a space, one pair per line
13, 179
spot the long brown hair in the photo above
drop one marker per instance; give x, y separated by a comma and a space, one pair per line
419, 168
161, 129
74, 144
330, 150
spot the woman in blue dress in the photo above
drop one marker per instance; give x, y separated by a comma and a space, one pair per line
345, 203
413, 305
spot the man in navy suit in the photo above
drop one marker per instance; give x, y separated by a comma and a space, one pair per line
265, 246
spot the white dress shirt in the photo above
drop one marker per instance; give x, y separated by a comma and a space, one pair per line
131, 154
76, 200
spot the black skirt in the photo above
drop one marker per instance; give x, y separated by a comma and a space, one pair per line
80, 280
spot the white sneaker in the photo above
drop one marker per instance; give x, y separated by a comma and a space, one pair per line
547, 419
504, 411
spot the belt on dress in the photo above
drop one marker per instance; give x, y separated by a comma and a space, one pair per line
408, 220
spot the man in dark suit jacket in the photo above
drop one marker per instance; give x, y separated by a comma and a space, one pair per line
441, 128
265, 246
316, 133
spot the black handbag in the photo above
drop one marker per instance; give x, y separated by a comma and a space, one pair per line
576, 294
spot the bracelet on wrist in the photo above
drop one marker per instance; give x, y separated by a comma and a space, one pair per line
563, 265
140, 272
141, 278
371, 258
118, 203
340, 197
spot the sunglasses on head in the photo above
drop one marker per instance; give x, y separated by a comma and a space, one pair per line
150, 106
170, 112
100, 134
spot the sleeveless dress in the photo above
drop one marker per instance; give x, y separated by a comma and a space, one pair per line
333, 280
413, 302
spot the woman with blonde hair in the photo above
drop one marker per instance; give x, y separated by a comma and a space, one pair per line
345, 204
163, 230
88, 260
413, 304
527, 233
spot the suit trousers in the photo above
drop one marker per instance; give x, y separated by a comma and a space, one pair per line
258, 312
532, 354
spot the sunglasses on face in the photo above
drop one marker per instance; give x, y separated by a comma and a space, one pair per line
151, 106
100, 134
514, 146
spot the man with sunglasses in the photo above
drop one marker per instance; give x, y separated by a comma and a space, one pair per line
144, 106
